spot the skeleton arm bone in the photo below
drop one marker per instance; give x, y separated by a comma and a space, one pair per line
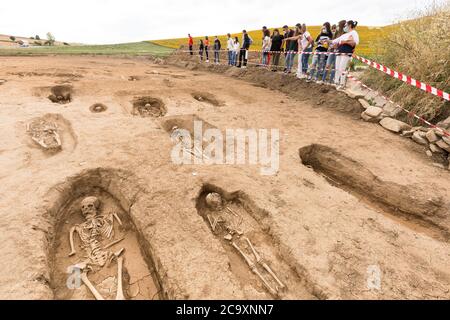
117, 218
72, 245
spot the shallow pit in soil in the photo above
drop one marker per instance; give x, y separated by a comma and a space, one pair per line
61, 94
239, 225
139, 278
149, 107
421, 212
98, 108
207, 98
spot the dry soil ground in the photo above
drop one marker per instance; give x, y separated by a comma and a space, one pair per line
350, 199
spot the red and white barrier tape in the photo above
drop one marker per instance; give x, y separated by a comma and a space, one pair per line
410, 113
405, 78
261, 51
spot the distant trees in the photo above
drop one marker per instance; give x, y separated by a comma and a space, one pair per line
50, 39
12, 38
37, 37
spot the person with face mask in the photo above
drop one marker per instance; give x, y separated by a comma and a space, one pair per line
319, 58
346, 45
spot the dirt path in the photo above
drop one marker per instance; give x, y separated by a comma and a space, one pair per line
323, 240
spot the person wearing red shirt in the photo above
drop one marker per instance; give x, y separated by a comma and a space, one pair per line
191, 44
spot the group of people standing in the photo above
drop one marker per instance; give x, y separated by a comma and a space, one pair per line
331, 50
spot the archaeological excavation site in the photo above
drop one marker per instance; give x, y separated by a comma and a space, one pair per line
119, 180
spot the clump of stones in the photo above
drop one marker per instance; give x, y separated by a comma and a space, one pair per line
379, 110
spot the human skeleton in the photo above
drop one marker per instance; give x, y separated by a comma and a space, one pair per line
93, 232
231, 225
45, 134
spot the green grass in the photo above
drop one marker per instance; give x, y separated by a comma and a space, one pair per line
130, 49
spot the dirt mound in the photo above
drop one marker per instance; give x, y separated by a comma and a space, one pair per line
318, 95
2, 81
98, 108
207, 98
423, 210
61, 94
149, 107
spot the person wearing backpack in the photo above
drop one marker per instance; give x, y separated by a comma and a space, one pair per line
243, 55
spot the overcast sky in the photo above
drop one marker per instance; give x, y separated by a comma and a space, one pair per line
114, 21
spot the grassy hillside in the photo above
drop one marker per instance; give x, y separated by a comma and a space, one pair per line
420, 49
367, 34
133, 49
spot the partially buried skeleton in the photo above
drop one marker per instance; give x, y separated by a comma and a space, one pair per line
228, 221
96, 230
45, 134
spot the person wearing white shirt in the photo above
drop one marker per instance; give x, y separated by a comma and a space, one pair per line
236, 49
266, 44
346, 45
306, 43
230, 49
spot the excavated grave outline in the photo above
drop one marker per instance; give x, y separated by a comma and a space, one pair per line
121, 186
261, 218
397, 201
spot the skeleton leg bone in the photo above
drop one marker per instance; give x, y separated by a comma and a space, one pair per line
255, 270
119, 295
262, 263
90, 286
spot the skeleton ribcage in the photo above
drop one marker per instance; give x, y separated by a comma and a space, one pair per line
92, 233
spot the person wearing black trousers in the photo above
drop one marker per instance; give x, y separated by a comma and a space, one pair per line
243, 54
277, 43
201, 48
217, 48
206, 43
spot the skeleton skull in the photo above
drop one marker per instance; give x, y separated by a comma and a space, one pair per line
89, 206
214, 201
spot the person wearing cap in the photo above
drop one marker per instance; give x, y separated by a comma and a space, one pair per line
191, 44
